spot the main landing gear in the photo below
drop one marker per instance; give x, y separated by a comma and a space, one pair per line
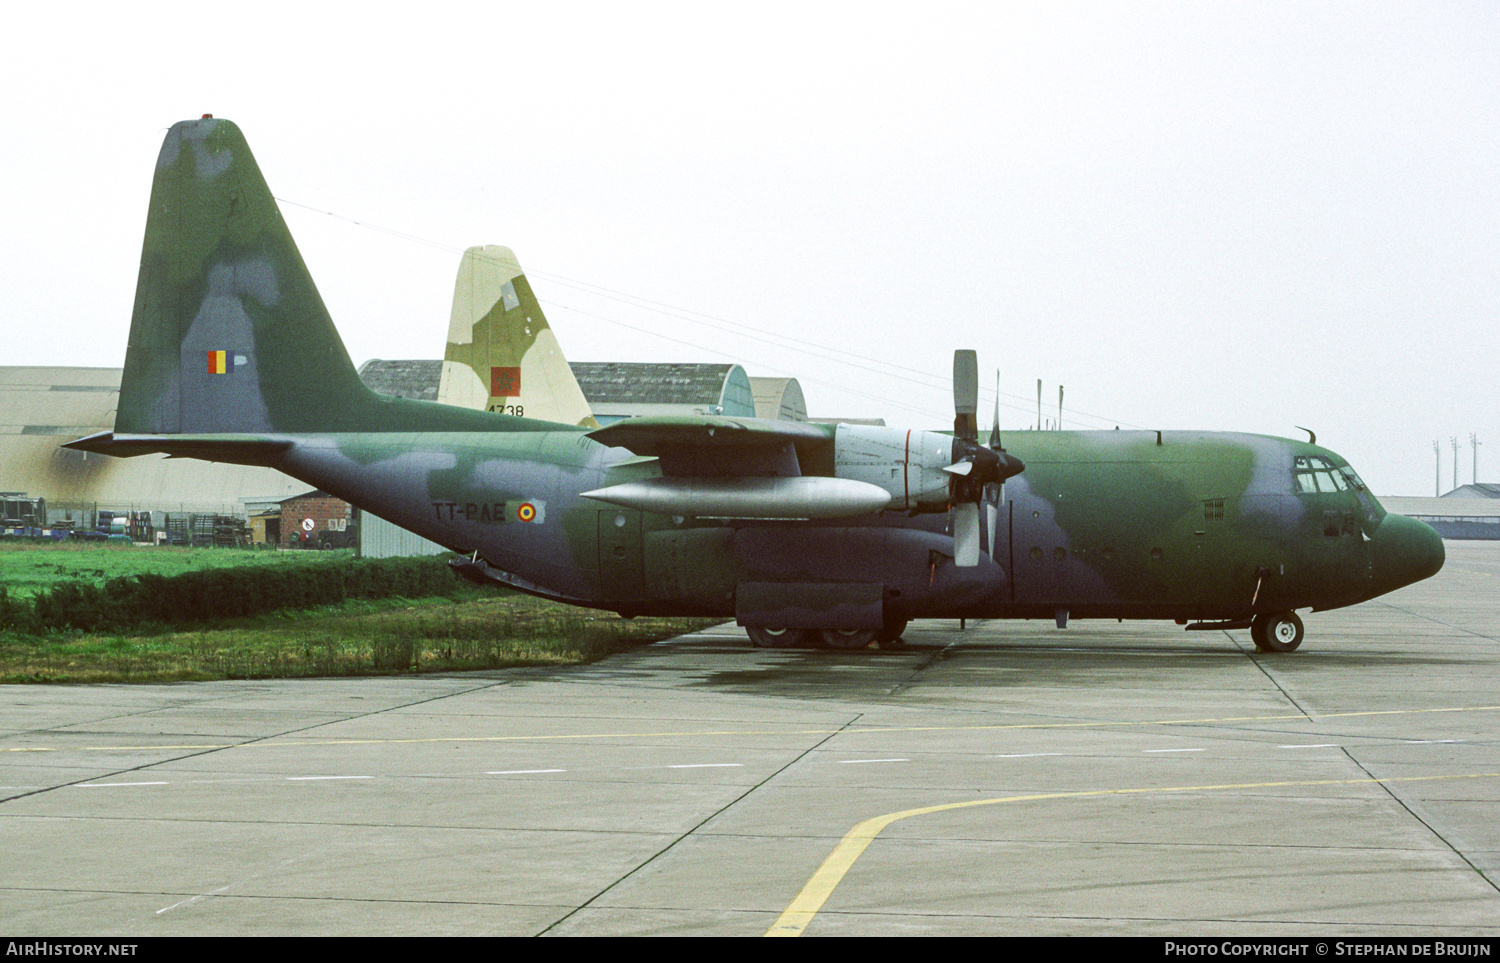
772, 637
769, 637
1279, 632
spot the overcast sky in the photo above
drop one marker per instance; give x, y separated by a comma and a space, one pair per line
1227, 216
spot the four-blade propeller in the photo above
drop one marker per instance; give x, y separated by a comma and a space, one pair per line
977, 471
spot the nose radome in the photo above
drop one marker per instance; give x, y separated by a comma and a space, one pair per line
1406, 551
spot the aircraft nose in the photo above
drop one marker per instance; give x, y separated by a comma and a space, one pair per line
1406, 551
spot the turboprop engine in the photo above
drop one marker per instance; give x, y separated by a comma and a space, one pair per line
752, 468
909, 464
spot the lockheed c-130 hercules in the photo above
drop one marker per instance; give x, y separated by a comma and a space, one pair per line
839, 534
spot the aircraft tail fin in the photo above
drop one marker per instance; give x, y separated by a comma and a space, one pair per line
229, 334
502, 355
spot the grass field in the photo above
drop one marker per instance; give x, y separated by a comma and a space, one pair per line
471, 628
27, 567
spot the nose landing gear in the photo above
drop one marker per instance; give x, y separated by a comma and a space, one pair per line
1279, 632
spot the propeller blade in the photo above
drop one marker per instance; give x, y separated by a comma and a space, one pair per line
991, 513
995, 425
966, 534
976, 469
966, 394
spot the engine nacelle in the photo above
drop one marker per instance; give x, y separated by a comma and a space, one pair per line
907, 463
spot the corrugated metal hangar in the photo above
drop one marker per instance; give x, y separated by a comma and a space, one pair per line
1463, 513
40, 408
616, 390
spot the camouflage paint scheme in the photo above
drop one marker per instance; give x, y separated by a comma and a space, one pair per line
501, 354
1170, 525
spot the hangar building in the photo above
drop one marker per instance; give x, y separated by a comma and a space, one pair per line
40, 408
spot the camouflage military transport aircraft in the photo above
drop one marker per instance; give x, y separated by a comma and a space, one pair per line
801, 532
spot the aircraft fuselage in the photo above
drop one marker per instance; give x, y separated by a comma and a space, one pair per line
1195, 526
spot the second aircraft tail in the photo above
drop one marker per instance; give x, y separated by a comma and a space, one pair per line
502, 355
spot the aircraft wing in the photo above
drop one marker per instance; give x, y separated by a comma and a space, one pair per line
726, 467
661, 434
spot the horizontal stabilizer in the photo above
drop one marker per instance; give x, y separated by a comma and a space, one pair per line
764, 498
235, 449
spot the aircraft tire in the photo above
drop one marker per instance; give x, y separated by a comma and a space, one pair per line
889, 637
847, 638
771, 637
1281, 632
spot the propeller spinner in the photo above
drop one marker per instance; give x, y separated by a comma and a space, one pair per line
976, 470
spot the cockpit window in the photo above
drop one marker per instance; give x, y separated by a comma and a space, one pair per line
1313, 474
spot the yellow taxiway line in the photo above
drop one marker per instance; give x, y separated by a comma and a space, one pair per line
796, 917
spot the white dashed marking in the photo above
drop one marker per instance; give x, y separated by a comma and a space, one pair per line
519, 772
112, 785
